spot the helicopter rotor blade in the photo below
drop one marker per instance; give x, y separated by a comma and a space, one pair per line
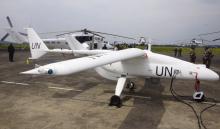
113, 35
97, 33
4, 37
216, 39
24, 34
9, 21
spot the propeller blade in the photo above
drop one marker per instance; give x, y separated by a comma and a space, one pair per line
113, 35
24, 34
4, 37
9, 21
91, 32
98, 35
64, 34
216, 39
86, 31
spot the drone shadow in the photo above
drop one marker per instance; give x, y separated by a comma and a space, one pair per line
145, 113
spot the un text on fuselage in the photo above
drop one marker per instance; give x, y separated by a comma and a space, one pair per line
35, 45
166, 71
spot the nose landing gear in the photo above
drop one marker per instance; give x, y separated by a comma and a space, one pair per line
115, 101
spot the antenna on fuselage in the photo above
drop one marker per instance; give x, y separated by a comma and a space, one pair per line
149, 44
149, 47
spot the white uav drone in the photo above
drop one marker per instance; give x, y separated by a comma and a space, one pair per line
119, 65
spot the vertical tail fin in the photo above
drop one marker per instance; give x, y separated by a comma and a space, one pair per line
73, 43
37, 46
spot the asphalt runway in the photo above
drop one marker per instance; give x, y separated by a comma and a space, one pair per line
80, 101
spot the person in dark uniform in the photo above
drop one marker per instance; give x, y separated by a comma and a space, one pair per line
207, 58
204, 58
179, 52
104, 47
175, 52
11, 51
118, 46
192, 55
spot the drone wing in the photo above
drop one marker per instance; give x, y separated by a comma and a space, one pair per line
84, 63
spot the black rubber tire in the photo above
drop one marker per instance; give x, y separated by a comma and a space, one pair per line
131, 85
115, 101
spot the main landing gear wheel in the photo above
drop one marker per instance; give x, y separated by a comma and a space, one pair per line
115, 101
130, 85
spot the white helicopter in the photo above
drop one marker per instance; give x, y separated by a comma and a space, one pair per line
120, 66
89, 39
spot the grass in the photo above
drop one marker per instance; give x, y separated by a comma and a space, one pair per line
17, 46
185, 50
158, 49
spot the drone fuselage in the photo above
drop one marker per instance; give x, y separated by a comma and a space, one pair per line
156, 66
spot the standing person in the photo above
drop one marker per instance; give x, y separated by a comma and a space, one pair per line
204, 58
104, 47
207, 58
175, 52
11, 51
192, 55
116, 48
146, 46
180, 52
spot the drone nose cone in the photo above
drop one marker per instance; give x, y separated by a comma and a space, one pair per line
215, 76
212, 75
33, 71
207, 74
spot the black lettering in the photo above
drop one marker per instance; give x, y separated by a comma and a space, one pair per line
35, 45
32, 45
169, 72
38, 45
157, 71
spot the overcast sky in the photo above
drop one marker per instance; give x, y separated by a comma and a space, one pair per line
162, 20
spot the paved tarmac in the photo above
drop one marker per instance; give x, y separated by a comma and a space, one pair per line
80, 101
